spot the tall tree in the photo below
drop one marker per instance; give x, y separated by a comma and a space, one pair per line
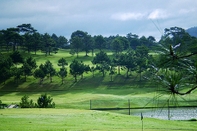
29, 65
128, 60
63, 71
50, 71
62, 62
76, 45
76, 69
48, 44
16, 57
12, 38
36, 42
102, 61
117, 46
62, 42
40, 73
77, 41
99, 42
5, 67
88, 44
133, 40
142, 59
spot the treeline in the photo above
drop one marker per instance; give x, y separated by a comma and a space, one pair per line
17, 66
27, 38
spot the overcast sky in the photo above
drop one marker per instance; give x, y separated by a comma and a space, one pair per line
99, 17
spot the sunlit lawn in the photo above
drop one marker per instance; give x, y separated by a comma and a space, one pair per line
79, 120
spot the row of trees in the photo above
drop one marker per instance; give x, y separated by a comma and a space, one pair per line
29, 39
82, 41
130, 60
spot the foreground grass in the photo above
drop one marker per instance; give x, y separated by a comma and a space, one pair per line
80, 120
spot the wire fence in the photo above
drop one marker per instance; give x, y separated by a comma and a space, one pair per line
127, 105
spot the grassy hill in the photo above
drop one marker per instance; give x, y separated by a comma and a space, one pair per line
72, 101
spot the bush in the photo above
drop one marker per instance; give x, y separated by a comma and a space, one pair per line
45, 101
26, 103
193, 119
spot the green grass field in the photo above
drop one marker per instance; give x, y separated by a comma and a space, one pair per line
83, 120
72, 112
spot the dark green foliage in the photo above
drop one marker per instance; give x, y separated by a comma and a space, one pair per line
40, 73
45, 101
128, 61
28, 66
79, 41
48, 44
26, 103
78, 68
49, 70
193, 119
99, 42
100, 58
62, 74
5, 67
117, 46
26, 28
17, 73
142, 58
16, 57
62, 62
102, 61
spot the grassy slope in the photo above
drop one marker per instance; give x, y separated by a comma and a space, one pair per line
73, 101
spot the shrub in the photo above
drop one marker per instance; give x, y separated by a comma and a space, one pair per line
26, 103
45, 101
193, 119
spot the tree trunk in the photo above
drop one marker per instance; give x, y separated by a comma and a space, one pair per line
75, 78
111, 77
62, 80
92, 52
41, 80
25, 77
93, 73
118, 70
103, 73
51, 80
128, 73
86, 53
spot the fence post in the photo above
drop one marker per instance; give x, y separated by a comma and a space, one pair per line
90, 105
129, 106
168, 109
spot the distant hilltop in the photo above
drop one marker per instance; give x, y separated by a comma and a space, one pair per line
192, 31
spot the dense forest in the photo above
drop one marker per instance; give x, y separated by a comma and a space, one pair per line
171, 61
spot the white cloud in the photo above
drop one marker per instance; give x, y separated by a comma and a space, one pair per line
158, 14
127, 16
